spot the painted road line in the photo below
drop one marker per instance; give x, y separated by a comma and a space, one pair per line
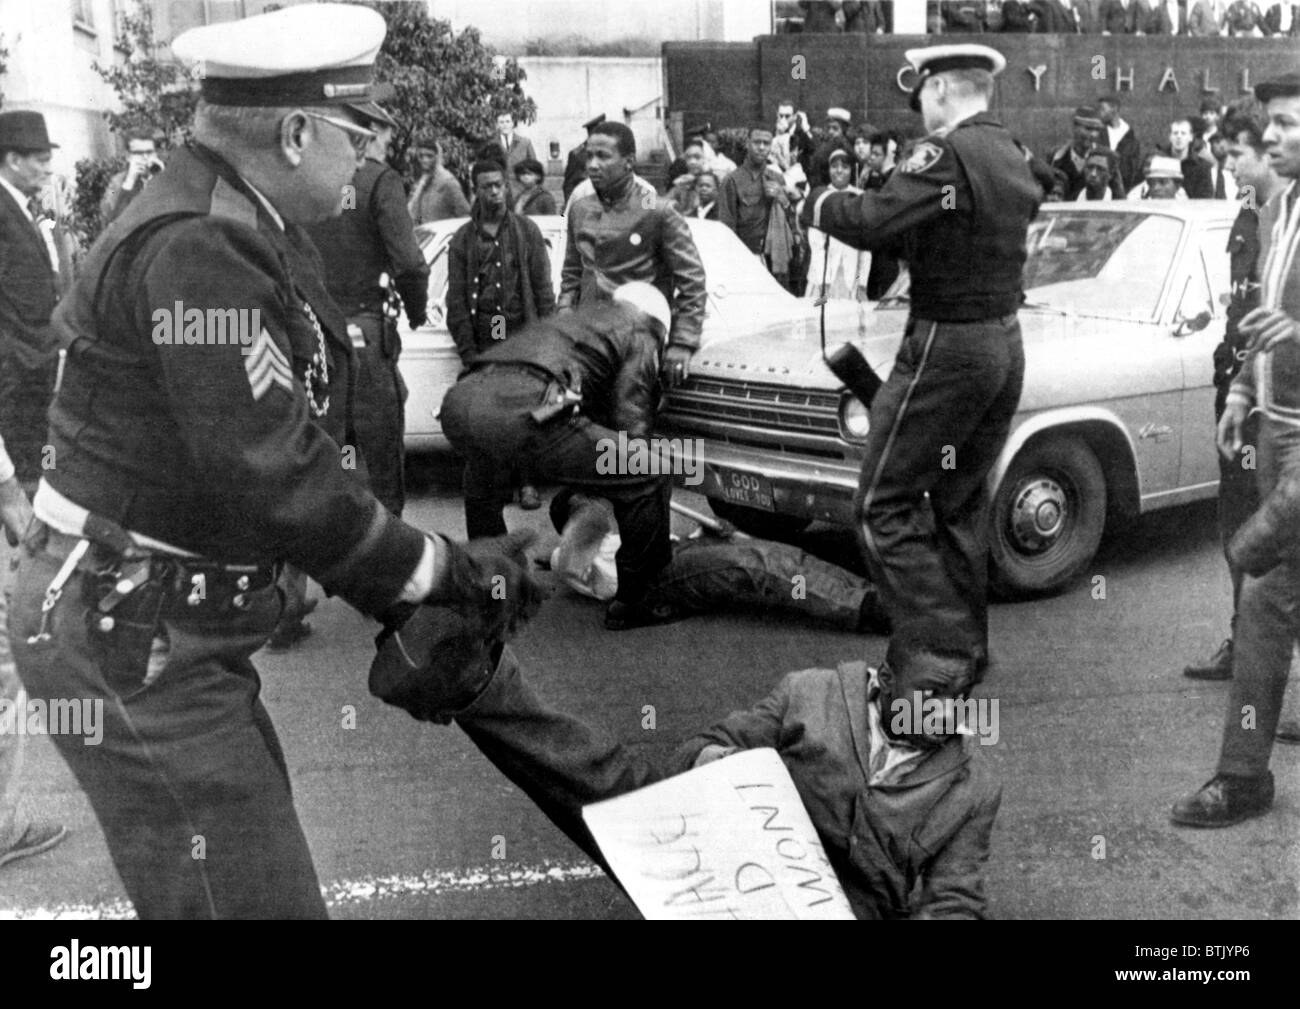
356, 892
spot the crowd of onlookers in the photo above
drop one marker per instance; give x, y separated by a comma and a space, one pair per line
1088, 17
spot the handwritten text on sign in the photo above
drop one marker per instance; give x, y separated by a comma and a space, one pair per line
727, 840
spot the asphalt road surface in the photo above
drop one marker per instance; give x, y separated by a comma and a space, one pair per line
1099, 733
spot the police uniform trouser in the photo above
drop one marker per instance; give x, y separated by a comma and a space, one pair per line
379, 415
485, 416
937, 426
188, 782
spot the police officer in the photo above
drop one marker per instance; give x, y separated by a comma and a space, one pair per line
961, 205
190, 460
375, 236
572, 398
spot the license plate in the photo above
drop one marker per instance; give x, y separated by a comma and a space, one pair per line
747, 489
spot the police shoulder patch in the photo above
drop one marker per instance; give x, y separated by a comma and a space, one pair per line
923, 157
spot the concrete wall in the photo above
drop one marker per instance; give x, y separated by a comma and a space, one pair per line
569, 91
1046, 77
508, 24
50, 72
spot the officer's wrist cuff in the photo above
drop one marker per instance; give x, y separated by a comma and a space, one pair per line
426, 575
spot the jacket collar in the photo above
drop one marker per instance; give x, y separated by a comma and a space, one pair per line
951, 757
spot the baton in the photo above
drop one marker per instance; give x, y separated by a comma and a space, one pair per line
715, 525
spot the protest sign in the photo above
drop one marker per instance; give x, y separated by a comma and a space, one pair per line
727, 840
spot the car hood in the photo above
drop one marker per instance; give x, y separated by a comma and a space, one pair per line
788, 352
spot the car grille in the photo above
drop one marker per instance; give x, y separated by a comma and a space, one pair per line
777, 408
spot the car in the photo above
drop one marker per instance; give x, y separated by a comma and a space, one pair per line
1124, 304
741, 296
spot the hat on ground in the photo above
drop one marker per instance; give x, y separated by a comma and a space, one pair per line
24, 131
308, 54
648, 299
1165, 168
933, 60
839, 115
593, 122
1086, 115
1286, 86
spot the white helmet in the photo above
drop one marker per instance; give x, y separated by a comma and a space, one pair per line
648, 299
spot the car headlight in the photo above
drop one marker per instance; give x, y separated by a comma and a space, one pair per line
854, 418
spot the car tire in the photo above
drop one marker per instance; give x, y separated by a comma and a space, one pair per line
764, 525
1046, 518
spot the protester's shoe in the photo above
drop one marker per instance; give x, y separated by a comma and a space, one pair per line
1288, 731
1217, 667
1224, 800
621, 616
285, 636
38, 837
529, 499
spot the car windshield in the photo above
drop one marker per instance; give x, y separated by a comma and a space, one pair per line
1111, 265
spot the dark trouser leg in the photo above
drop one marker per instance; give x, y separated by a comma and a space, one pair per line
484, 514
380, 423
559, 761
928, 434
1238, 500
188, 780
1268, 626
754, 574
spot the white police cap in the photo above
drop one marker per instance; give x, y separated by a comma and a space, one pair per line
309, 54
932, 60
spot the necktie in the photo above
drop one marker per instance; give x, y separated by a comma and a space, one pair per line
1219, 192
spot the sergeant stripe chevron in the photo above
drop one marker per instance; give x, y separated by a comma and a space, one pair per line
266, 366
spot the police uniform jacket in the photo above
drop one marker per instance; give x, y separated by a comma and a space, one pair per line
961, 204
606, 351
212, 446
931, 824
373, 237
28, 294
631, 235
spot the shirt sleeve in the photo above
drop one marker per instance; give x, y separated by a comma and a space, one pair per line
758, 727
243, 417
928, 184
459, 322
691, 293
954, 880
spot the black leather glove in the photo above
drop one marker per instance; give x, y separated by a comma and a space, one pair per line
490, 582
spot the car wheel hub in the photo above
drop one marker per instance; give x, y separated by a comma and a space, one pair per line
1038, 514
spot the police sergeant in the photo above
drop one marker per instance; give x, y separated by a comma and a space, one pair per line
186, 473
960, 205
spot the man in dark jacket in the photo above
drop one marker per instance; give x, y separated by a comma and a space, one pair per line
906, 816
575, 167
573, 399
373, 237
498, 270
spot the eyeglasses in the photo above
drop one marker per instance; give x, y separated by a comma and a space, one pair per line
359, 135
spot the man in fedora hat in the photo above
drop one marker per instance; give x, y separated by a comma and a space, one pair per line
1164, 180
190, 469
27, 369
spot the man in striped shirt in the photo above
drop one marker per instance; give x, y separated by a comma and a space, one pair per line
1269, 382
